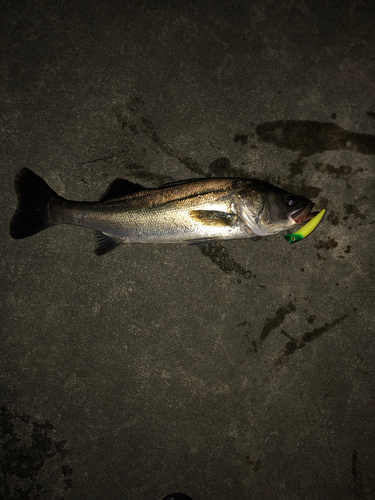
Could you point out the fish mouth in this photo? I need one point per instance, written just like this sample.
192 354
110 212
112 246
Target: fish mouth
303 214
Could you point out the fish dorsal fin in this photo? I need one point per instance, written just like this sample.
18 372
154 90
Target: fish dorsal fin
119 188
213 217
180 183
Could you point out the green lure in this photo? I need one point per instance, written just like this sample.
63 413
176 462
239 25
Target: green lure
305 230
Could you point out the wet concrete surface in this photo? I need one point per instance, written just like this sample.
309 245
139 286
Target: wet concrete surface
238 370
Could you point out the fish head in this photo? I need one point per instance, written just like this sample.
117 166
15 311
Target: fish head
267 209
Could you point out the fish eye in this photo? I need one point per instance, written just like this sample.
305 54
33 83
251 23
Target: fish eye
289 200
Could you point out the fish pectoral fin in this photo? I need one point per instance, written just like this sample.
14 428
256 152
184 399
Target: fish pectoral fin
213 217
105 243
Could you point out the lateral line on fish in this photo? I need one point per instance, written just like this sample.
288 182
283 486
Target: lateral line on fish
188 197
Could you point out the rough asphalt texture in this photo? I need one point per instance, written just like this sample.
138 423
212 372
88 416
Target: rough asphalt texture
240 371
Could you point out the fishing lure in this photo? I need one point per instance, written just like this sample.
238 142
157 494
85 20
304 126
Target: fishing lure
306 229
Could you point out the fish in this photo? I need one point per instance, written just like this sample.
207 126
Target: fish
193 211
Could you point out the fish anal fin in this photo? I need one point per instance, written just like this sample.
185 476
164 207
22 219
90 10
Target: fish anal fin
105 243
119 188
213 217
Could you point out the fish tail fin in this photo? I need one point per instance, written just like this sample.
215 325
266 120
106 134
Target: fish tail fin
34 197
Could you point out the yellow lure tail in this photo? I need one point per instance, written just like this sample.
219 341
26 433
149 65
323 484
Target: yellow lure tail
305 230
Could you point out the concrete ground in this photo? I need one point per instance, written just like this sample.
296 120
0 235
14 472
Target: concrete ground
235 371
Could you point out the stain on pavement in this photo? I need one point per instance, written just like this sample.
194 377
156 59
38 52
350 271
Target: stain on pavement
311 137
33 463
